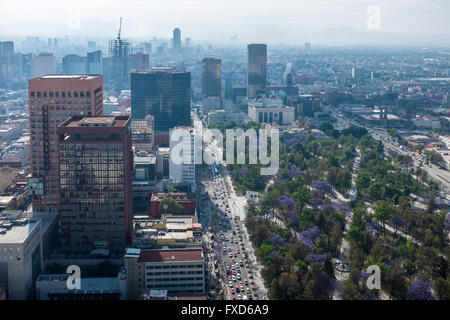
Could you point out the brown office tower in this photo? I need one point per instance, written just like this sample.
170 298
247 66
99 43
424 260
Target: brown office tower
53 99
96 163
257 62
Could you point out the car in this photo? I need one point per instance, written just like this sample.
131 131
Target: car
234 297
244 297
230 284
229 278
238 276
234 273
235 254
248 290
229 254
241 288
233 260
241 263
238 251
246 282
234 278
232 291
239 297
241 283
233 267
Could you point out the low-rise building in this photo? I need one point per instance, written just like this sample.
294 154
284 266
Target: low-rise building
187 200
54 287
179 271
170 231
270 111
218 116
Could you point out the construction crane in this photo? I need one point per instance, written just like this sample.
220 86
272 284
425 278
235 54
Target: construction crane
120 29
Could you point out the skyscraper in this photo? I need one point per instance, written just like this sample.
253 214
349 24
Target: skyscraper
212 77
139 62
94 62
163 93
257 61
119 50
53 99
44 63
96 163
6 48
74 64
182 171
176 40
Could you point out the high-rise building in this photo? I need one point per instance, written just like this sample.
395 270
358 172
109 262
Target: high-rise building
176 40
53 99
163 93
94 62
139 62
143 134
96 163
119 50
307 46
212 77
257 62
182 164
6 48
44 63
73 64
92 45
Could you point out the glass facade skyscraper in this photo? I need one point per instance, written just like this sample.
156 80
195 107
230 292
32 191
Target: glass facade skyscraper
257 62
211 77
163 93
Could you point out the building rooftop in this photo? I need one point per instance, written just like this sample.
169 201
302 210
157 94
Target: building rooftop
195 255
87 284
12 232
68 76
100 121
177 196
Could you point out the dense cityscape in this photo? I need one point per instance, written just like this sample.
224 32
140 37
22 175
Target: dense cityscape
95 206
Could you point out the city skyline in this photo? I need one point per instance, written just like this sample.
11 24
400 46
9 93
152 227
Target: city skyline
287 21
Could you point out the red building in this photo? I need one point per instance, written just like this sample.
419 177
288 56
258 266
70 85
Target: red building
187 200
53 99
140 62
96 163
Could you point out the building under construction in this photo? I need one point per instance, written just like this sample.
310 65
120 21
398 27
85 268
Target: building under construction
119 50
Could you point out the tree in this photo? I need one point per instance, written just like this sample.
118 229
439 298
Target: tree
301 196
383 212
170 206
419 147
420 290
261 233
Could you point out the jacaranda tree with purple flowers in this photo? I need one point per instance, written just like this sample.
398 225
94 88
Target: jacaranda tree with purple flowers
420 290
315 258
294 171
322 186
286 201
277 241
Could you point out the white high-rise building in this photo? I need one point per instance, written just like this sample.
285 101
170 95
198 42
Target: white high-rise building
182 161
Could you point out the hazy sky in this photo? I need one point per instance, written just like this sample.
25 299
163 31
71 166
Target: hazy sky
251 20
